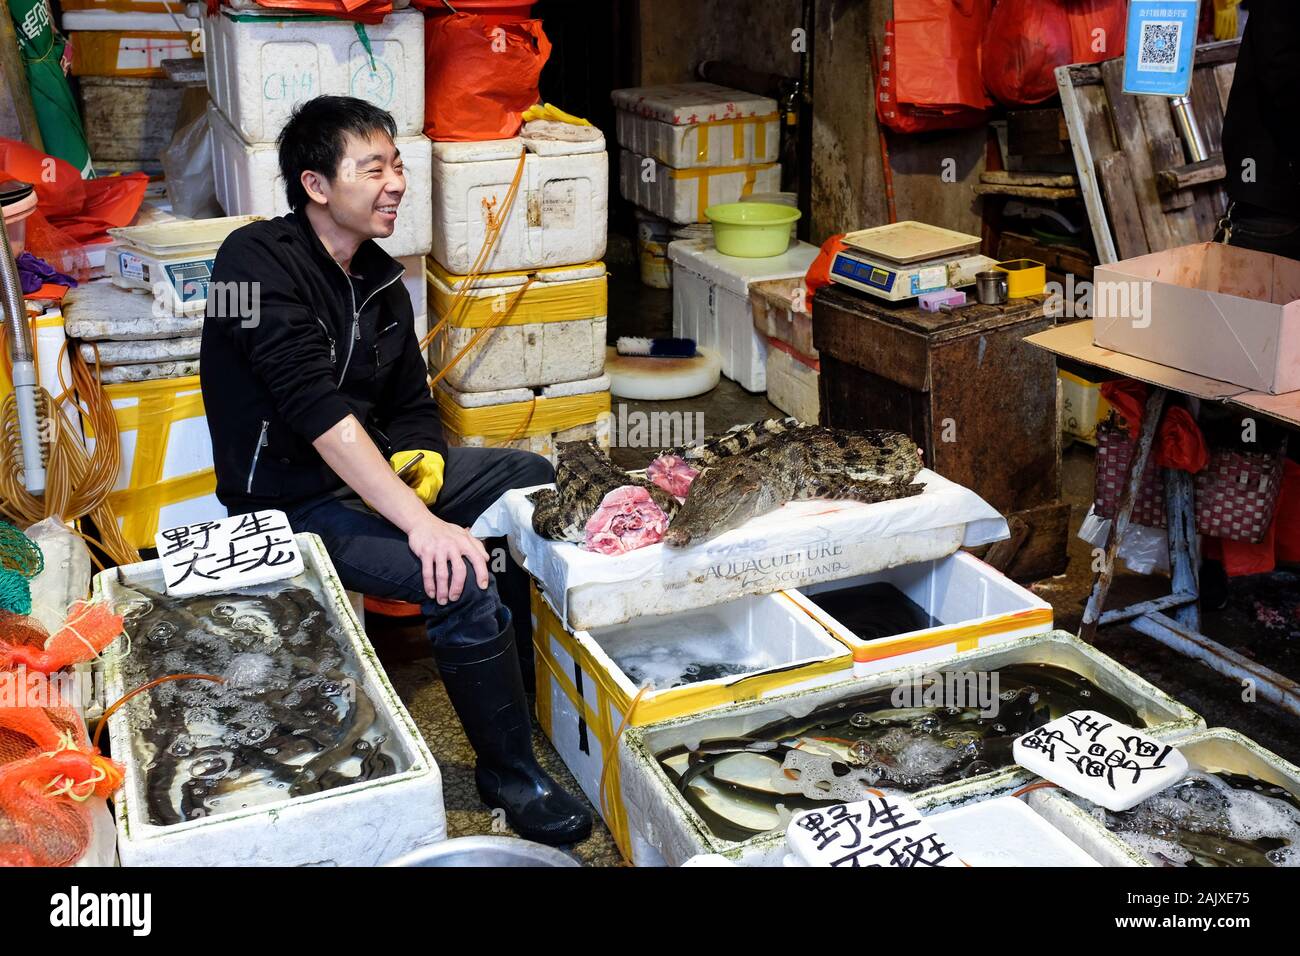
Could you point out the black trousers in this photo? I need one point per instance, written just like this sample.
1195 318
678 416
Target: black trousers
371 555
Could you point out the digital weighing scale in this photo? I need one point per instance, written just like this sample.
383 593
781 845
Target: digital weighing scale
905 259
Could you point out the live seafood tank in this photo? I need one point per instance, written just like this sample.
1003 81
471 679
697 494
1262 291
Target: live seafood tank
301 711
1238 806
721 779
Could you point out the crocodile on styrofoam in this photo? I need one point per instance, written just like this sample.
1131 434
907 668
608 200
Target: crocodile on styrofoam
260 66
558 216
247 180
359 824
664 820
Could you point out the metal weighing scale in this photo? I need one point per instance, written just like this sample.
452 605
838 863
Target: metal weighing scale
905 259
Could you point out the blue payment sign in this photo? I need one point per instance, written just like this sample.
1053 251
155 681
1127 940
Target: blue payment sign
1161 47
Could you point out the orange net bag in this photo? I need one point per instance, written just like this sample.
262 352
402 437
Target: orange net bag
45 817
87 630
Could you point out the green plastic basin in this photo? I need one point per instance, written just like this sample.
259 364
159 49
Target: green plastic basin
751 230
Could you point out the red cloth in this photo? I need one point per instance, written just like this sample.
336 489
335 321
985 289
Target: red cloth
85 209
1179 442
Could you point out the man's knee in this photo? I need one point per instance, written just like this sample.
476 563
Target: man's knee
532 469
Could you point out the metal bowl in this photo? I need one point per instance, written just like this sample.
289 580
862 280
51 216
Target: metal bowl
486 851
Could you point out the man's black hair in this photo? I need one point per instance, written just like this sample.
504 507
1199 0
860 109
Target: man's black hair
316 136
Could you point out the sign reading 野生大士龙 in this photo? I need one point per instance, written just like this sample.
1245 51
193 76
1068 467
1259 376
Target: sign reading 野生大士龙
243 550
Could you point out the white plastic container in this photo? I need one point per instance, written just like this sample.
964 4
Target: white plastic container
711 302
550 332
248 183
1214 750
975 606
687 125
585 695
521 418
682 195
359 824
663 822
793 383
262 65
558 217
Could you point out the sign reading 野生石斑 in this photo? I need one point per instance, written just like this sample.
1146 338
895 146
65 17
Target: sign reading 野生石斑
1099 759
1161 47
209 556
882 831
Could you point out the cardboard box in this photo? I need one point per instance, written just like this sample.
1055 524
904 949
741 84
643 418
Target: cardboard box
1227 313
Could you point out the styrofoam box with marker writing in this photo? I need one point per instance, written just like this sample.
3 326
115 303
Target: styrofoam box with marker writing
262 65
248 183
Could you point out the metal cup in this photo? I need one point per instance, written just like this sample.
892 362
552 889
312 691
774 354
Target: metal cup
991 288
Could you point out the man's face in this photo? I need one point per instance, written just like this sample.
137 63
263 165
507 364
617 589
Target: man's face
363 196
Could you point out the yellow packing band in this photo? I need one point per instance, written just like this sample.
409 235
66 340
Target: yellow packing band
542 302
967 637
704 175
511 420
703 132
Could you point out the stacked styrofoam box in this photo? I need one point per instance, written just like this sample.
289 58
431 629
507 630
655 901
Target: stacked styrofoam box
688 146
543 278
260 66
793 367
711 302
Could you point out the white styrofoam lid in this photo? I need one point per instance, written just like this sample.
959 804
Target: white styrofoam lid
683 104
496 149
1111 764
884 830
1006 832
734 273
128 22
507 395
508 280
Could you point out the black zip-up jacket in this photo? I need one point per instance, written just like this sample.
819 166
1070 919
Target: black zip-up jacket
291 346
1260 124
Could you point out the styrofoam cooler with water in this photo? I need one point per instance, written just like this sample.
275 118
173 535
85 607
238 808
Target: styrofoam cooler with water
711 302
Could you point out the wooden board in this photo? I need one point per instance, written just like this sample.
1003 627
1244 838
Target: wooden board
1137 163
997 177
1049 193
1123 206
1082 119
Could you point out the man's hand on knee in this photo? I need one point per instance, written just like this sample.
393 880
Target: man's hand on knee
443 549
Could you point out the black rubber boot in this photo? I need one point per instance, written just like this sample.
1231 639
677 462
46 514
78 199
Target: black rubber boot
485 687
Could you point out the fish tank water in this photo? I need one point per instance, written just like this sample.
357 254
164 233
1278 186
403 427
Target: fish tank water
296 713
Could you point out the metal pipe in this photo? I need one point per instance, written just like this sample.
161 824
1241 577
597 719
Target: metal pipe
19 334
1269 685
1185 119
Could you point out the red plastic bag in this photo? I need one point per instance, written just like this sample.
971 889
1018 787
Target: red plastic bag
480 75
937 53
1098 29
818 275
1026 40
1179 442
908 117
362 11
1286 520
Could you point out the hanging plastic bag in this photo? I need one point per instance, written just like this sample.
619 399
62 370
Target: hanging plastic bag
908 117
1024 43
480 76
187 164
1098 29
937 47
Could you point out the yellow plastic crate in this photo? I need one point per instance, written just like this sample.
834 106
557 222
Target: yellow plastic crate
135 53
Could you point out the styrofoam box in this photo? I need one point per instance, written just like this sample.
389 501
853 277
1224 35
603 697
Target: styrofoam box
416 286
711 302
262 65
664 821
519 353
558 217
684 125
360 824
975 605
772 305
793 386
682 195
248 183
1214 750
583 679
459 411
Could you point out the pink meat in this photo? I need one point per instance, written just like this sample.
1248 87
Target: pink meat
672 474
627 519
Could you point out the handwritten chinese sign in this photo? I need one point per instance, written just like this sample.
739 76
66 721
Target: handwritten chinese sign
1100 759
235 552
882 831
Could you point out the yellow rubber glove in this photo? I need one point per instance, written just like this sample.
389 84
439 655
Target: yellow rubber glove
1225 19
545 111
425 478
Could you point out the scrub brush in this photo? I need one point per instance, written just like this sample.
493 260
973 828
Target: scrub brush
656 348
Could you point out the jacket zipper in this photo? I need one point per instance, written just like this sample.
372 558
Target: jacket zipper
328 336
257 452
380 334
356 314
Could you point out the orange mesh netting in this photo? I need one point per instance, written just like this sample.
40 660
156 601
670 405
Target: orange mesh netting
88 629
45 819
20 630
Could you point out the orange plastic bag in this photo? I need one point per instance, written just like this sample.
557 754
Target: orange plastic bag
88 629
1026 40
1098 29
937 47
362 11
479 76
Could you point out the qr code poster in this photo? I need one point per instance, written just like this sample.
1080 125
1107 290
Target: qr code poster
1109 763
1161 47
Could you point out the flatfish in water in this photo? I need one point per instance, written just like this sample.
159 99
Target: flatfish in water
584 475
794 464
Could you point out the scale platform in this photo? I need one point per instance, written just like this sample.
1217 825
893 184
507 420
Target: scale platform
905 259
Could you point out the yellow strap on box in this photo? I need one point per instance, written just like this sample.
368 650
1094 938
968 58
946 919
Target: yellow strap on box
511 420
572 301
737 125
967 637
703 176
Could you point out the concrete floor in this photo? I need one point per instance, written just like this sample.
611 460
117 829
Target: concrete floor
635 310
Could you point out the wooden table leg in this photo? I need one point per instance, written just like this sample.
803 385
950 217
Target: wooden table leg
1184 546
1124 512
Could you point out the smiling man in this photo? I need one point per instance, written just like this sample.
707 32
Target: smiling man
316 392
